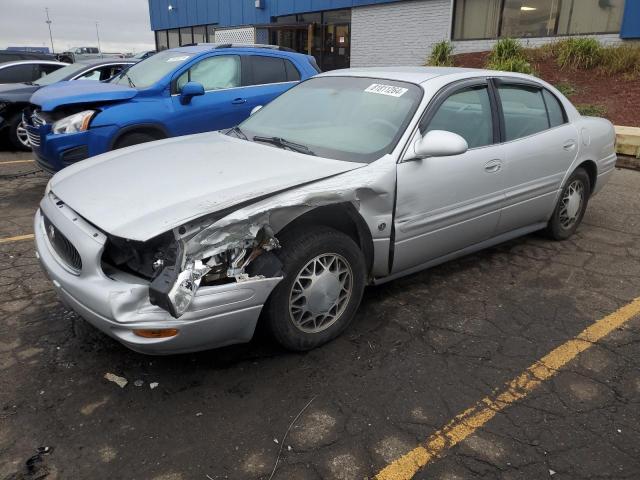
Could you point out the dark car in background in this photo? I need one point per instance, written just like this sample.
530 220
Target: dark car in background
15 55
27 70
15 97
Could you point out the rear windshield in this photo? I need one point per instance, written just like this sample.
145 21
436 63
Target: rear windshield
151 70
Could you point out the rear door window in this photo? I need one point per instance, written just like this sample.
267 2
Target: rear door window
524 110
466 112
268 70
214 73
556 112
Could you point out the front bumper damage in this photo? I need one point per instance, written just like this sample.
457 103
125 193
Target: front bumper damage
118 303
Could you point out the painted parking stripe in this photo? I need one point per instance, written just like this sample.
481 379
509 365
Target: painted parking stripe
16 161
467 422
17 239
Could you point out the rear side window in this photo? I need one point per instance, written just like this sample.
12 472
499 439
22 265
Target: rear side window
293 75
524 111
268 70
467 113
556 112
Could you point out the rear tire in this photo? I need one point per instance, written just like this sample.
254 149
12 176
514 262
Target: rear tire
18 133
134 138
324 277
571 206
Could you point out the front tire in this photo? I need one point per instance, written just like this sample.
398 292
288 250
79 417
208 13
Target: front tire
18 133
324 277
571 206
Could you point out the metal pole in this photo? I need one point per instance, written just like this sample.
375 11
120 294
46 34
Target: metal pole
48 22
98 35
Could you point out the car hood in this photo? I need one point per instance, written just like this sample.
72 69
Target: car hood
145 190
80 91
16 92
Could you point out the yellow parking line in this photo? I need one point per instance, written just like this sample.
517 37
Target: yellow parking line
467 422
16 161
16 239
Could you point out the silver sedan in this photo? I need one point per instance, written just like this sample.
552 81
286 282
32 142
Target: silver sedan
354 177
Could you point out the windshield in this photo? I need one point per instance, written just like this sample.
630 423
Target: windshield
149 71
344 118
61 74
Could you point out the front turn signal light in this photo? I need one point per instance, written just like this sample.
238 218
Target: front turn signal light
157 333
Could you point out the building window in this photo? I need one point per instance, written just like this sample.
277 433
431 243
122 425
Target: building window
186 36
174 38
485 19
199 34
161 40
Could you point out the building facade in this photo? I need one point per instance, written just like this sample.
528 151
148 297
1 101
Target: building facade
342 33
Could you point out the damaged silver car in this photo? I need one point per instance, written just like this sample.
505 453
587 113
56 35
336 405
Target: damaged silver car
351 178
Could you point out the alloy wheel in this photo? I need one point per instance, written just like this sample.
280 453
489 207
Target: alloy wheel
23 137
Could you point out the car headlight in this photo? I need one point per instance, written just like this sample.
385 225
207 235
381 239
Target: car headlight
78 122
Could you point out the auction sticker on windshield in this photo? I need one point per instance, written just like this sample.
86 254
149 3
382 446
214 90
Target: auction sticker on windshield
386 90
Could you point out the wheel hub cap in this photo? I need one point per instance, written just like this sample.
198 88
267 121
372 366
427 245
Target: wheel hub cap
320 293
571 204
22 135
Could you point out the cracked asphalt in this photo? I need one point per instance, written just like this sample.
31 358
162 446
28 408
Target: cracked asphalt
421 350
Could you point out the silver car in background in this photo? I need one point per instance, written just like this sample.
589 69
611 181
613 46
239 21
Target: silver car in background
353 177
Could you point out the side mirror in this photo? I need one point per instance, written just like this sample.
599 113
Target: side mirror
440 143
255 109
190 90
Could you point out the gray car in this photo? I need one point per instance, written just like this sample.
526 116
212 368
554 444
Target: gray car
352 178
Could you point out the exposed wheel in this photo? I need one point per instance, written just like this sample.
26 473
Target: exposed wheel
571 206
18 133
324 277
134 138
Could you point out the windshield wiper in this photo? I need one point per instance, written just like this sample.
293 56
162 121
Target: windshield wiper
282 143
131 84
238 131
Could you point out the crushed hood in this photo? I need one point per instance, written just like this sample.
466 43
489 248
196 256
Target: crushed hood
80 91
142 191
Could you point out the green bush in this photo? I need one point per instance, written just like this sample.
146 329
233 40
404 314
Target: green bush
509 56
591 110
566 88
506 49
441 55
581 53
621 59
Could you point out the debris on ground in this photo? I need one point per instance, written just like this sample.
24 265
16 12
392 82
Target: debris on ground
153 385
120 381
138 383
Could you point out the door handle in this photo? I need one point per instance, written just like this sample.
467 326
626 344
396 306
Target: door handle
569 145
239 101
493 166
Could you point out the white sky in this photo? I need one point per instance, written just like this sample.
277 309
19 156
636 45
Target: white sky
123 24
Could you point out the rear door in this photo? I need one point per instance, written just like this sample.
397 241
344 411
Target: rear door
222 106
266 77
540 146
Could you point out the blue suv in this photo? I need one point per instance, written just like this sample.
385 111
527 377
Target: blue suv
184 90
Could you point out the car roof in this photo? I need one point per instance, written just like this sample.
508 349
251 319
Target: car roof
417 75
91 62
31 62
222 47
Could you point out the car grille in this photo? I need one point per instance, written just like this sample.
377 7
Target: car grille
62 246
37 120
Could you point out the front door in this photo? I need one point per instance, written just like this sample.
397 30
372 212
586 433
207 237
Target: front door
222 106
445 204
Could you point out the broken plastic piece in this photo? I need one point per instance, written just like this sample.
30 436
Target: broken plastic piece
120 381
